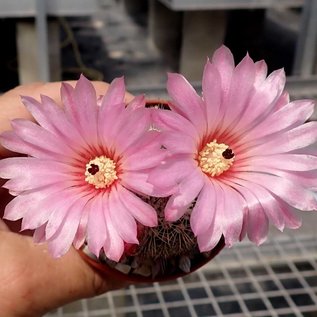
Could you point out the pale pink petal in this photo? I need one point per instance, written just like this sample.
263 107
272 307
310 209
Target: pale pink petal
186 101
204 210
239 93
255 223
11 141
138 157
171 171
260 73
133 129
291 219
67 96
81 109
258 224
96 226
49 207
224 62
60 208
36 135
295 162
179 143
305 179
30 173
114 246
39 114
20 205
150 140
60 243
137 102
115 93
282 101
121 219
188 190
291 115
137 182
87 110
39 234
270 205
60 123
209 240
295 195
52 118
291 140
262 101
141 211
212 95
17 166
166 120
80 236
230 217
111 120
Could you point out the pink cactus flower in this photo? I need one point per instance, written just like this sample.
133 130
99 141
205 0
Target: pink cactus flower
242 151
83 167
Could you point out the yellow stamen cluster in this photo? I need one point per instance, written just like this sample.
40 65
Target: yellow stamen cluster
213 160
101 172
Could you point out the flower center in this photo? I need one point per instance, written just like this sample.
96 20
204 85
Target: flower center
215 158
101 172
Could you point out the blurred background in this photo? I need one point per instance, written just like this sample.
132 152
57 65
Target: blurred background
52 40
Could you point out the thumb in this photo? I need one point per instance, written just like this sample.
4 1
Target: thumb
40 282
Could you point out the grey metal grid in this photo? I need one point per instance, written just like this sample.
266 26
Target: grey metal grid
278 279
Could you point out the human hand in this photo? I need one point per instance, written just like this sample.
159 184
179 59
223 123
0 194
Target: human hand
32 282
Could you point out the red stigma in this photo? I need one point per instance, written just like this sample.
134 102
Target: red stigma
228 154
94 169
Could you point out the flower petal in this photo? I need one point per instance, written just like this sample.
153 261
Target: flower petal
115 93
291 115
260 73
11 141
291 140
171 171
37 136
295 195
258 224
262 101
230 217
133 129
186 101
137 182
212 95
166 120
138 158
188 190
121 219
295 162
224 62
114 246
81 233
96 226
20 205
60 243
242 83
140 210
204 210
137 102
52 118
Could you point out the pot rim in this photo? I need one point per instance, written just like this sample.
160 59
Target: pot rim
105 270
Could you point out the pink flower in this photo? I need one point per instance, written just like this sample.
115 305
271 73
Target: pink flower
84 165
241 150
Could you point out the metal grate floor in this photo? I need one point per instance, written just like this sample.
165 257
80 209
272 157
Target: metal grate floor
278 279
